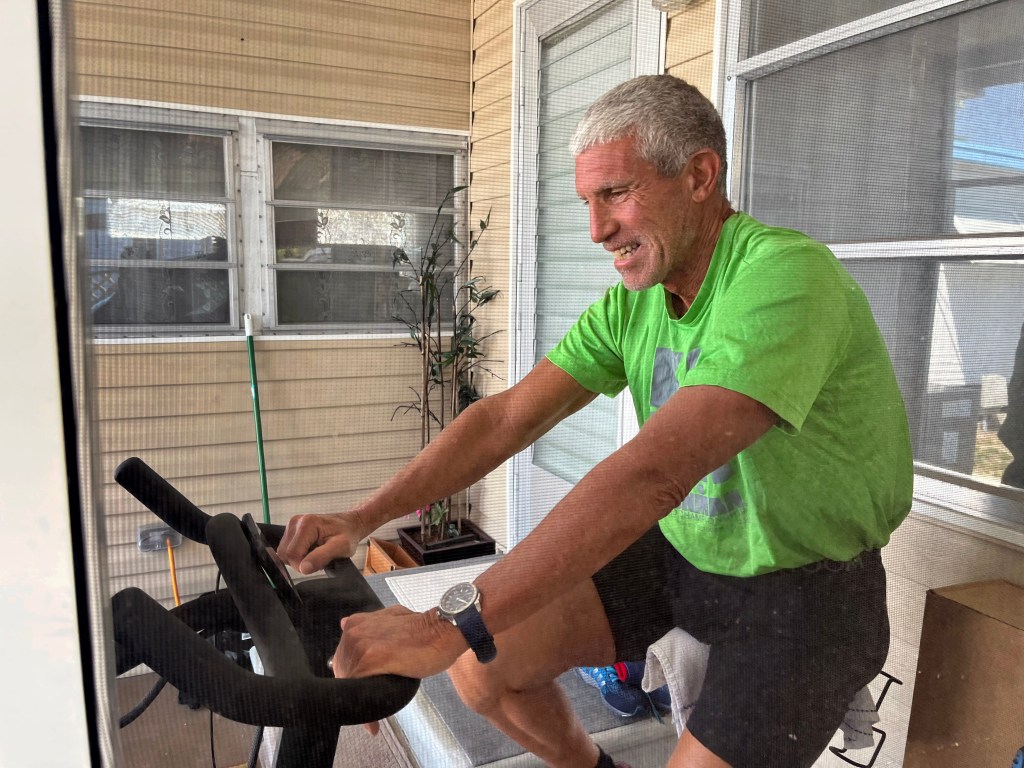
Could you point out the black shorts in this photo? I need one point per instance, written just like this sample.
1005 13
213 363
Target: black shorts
789 649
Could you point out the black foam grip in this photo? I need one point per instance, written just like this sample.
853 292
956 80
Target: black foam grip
189 663
212 611
170 505
162 498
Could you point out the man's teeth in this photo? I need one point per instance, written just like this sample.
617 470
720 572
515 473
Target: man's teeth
624 251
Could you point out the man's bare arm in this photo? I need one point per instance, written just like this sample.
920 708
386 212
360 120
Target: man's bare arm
480 439
483 436
695 432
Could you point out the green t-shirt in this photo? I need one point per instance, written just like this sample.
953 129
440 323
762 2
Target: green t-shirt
778 319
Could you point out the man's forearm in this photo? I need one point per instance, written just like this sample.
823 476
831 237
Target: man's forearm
699 429
607 511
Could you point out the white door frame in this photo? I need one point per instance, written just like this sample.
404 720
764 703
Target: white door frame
534 20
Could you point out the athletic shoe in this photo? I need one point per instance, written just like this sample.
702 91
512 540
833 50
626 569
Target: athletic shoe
632 673
624 700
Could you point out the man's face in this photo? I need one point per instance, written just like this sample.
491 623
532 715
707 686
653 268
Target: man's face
642 218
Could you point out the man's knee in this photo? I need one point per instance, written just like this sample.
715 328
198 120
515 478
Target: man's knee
479 686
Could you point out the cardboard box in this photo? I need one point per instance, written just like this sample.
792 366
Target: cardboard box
968 708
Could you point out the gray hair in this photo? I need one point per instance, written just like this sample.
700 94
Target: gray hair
669 118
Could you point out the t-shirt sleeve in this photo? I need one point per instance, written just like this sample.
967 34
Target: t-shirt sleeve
591 352
778 331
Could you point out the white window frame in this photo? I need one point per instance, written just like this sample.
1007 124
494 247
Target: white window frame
951 497
532 21
268 132
92 114
248 139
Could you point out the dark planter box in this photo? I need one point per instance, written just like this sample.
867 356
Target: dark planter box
477 545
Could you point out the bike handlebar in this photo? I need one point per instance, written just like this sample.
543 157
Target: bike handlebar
170 505
294 644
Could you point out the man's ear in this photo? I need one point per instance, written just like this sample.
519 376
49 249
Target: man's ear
704 167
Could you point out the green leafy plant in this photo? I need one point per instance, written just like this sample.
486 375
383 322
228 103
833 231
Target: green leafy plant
439 309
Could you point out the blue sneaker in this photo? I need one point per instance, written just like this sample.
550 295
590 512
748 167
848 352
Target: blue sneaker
632 673
624 700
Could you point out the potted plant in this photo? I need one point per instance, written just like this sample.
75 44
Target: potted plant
438 311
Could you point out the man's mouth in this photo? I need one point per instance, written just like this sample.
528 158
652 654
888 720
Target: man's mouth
624 252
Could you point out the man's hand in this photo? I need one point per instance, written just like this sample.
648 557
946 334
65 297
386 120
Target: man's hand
396 641
311 541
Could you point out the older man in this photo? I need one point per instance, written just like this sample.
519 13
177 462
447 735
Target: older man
772 463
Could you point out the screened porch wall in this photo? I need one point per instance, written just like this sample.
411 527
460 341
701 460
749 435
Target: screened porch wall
185 409
183 405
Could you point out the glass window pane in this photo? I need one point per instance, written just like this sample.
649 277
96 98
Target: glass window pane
776 22
844 149
328 174
365 177
153 163
337 296
416 178
340 236
155 230
954 330
159 296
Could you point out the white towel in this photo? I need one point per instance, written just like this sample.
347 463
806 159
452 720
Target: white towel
679 660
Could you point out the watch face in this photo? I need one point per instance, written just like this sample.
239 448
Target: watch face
458 598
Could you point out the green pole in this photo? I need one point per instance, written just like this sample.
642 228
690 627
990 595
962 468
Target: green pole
255 390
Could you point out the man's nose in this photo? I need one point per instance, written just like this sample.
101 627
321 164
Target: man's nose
602 224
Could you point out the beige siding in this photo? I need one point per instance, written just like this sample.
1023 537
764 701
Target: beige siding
185 409
490 158
399 62
688 44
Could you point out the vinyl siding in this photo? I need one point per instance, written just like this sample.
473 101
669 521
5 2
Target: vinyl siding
398 62
489 188
689 44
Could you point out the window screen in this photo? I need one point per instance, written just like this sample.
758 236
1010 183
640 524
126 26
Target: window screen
339 213
157 215
905 152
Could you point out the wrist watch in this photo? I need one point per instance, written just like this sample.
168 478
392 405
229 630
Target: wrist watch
461 606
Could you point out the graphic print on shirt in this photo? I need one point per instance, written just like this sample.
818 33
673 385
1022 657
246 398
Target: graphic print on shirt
714 495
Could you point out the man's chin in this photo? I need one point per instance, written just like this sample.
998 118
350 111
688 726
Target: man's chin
636 283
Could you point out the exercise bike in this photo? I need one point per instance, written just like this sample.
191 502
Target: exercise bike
294 627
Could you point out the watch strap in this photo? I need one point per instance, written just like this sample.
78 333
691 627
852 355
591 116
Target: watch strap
472 626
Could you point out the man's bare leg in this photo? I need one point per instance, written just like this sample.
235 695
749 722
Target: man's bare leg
517 692
690 753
